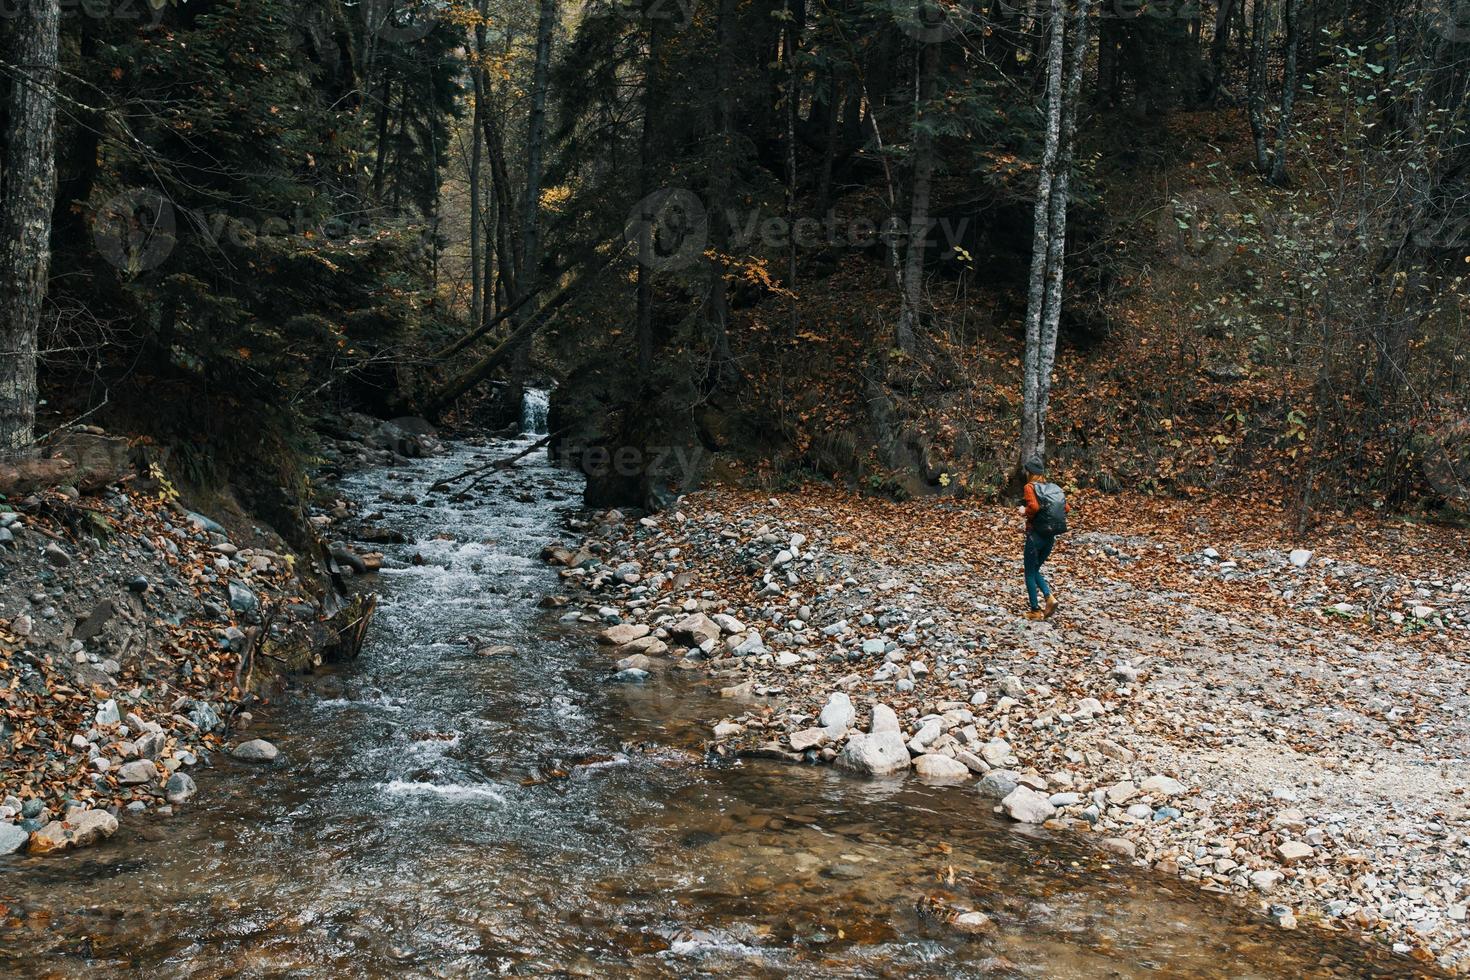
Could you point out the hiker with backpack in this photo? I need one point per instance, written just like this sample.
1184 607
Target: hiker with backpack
1045 510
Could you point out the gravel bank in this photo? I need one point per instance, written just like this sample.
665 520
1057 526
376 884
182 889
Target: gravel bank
1285 720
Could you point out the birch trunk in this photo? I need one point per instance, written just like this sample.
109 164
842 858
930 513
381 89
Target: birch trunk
1040 233
27 187
1288 92
912 281
1057 227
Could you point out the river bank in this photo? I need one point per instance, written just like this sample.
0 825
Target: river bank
1216 700
139 639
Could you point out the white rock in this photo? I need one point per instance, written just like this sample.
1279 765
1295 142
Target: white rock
1163 785
1300 557
837 712
1028 806
885 719
936 768
255 750
879 754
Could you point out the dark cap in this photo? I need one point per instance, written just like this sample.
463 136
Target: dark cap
1034 467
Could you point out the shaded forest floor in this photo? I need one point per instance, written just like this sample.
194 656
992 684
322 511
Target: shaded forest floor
1315 713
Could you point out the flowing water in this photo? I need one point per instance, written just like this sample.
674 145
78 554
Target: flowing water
439 814
535 403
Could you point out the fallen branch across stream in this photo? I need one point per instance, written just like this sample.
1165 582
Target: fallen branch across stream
497 464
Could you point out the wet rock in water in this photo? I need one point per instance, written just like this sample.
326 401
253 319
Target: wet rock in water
1282 916
885 719
1026 805
255 750
631 675
79 828
878 754
624 633
696 629
728 729
1121 846
973 922
179 788
635 662
137 772
998 783
940 769
12 838
837 713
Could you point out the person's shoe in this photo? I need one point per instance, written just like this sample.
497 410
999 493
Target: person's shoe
1051 606
1035 615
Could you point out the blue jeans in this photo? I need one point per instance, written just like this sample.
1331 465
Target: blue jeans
1038 550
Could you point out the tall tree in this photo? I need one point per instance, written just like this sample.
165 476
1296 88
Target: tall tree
535 144
912 279
1049 234
27 187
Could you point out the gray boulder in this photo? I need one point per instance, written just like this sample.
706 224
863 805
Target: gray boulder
880 754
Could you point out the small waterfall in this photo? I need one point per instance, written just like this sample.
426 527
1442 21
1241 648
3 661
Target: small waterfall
534 403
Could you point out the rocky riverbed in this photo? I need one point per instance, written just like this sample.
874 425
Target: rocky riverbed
138 637
1285 721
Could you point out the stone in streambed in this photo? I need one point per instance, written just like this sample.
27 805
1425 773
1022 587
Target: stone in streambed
1026 805
255 750
12 838
810 738
885 719
630 675
137 772
696 629
179 788
940 769
636 662
79 828
624 633
880 754
1163 786
998 783
837 713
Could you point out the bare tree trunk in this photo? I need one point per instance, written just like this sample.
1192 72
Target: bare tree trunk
643 325
27 187
505 256
1256 94
912 281
1057 226
1288 92
1220 43
477 269
1031 437
535 144
717 306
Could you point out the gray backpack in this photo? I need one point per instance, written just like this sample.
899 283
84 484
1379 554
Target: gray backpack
1052 518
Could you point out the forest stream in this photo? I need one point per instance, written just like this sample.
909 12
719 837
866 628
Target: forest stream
436 813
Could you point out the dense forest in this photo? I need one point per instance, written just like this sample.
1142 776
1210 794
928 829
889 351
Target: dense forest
1175 246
